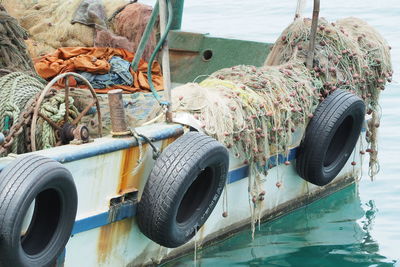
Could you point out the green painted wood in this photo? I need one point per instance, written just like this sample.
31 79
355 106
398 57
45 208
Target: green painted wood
194 54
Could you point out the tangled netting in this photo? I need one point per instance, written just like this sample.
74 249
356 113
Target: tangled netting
131 23
261 112
48 23
17 92
253 111
16 89
13 54
350 55
256 112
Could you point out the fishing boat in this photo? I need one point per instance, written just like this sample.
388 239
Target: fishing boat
144 195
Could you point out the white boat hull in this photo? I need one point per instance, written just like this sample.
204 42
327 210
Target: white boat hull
107 235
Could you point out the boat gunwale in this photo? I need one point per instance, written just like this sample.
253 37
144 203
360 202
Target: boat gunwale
104 145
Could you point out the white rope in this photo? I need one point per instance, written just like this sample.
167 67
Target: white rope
301 4
140 145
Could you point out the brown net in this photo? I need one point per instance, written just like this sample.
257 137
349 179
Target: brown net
131 23
13 50
48 23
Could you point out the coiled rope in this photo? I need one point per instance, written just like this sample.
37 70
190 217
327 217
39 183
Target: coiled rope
16 90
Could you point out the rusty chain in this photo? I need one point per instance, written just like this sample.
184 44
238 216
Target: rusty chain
24 123
16 129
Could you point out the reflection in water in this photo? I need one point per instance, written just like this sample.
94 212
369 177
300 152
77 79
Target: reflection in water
334 231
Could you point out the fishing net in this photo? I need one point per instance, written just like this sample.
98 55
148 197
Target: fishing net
256 112
131 23
49 23
253 111
261 112
13 53
138 109
350 55
17 92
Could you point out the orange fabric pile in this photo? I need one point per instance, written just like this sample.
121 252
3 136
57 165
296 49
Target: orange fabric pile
95 60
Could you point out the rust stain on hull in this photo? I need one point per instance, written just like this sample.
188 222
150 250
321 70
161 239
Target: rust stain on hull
129 182
110 236
168 141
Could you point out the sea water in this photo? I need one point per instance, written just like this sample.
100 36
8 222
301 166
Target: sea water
359 226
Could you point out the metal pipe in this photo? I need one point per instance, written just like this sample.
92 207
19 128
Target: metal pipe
153 56
117 113
145 38
178 14
2 138
314 25
165 57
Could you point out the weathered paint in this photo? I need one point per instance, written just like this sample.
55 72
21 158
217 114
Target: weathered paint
97 177
177 14
131 248
110 235
187 51
281 208
127 210
122 211
130 181
168 141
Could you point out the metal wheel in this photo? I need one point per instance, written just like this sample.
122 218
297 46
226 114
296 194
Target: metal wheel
66 127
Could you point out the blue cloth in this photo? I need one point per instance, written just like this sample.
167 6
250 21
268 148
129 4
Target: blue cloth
119 75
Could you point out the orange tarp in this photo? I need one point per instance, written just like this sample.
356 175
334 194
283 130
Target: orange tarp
95 60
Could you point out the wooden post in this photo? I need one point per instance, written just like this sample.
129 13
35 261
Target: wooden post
117 113
165 57
314 25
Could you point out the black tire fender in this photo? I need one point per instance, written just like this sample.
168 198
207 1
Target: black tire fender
330 137
47 183
183 189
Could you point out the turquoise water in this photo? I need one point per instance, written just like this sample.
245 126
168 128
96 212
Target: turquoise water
335 231
355 227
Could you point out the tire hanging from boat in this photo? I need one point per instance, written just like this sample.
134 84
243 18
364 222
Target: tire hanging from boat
38 204
183 189
330 137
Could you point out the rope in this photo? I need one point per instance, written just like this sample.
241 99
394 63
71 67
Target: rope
141 155
54 109
16 89
13 51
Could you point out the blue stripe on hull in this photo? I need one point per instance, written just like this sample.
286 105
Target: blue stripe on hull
128 210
